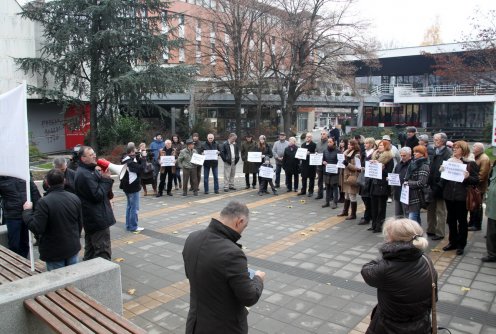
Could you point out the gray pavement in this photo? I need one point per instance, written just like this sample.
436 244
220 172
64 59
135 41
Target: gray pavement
312 259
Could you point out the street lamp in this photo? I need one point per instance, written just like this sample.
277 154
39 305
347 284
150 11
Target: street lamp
279 113
242 111
186 113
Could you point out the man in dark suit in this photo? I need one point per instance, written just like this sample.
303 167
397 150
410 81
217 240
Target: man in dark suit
221 284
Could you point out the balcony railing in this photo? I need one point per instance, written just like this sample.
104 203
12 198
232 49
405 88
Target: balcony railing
446 90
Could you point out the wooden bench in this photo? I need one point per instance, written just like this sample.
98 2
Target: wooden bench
70 310
14 267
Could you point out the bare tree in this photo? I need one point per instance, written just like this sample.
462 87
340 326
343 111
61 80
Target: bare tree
316 37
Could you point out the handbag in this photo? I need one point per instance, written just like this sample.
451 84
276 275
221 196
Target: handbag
361 179
426 198
474 198
433 309
351 180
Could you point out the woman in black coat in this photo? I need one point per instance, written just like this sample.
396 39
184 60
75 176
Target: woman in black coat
291 165
403 281
455 196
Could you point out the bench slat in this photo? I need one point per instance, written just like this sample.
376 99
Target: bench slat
100 315
62 315
76 313
47 317
23 262
11 270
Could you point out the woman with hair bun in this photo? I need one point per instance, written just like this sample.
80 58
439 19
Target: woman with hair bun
403 281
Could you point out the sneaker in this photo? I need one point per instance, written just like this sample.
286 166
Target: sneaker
226 190
389 200
216 191
206 192
232 188
138 229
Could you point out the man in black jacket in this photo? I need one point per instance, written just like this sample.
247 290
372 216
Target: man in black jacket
307 170
13 192
210 145
131 185
220 282
58 220
230 155
94 189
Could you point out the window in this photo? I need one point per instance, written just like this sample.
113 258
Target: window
198 30
198 52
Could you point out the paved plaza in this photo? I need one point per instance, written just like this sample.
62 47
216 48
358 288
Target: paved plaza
312 259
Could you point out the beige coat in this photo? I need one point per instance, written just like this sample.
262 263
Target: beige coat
484 164
350 170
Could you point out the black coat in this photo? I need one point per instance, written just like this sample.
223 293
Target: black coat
412 142
93 190
219 281
404 293
435 174
308 170
13 192
137 167
457 191
401 169
289 162
381 187
210 146
58 220
225 153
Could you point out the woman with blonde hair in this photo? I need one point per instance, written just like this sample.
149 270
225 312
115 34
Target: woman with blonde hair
379 189
403 279
455 197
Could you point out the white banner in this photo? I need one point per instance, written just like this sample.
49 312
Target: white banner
405 194
266 172
210 154
331 168
373 170
301 153
340 160
453 171
197 159
255 156
167 160
394 179
316 159
14 133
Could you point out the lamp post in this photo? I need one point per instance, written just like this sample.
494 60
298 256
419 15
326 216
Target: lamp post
173 120
279 113
186 113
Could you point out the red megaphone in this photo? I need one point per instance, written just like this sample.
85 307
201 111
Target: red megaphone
116 169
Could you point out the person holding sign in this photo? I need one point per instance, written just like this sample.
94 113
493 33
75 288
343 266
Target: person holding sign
379 190
350 175
291 165
230 155
307 170
266 152
455 196
416 179
167 168
211 151
278 152
189 169
249 167
369 144
265 179
320 148
400 170
330 179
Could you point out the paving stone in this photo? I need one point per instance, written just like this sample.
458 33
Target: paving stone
464 326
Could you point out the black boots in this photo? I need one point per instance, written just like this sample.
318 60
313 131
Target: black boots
353 211
345 208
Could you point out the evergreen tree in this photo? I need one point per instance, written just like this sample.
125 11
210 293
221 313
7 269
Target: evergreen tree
109 53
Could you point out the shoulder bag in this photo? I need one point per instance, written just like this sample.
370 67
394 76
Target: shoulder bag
434 315
474 198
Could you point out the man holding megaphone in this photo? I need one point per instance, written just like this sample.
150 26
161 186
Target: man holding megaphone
93 189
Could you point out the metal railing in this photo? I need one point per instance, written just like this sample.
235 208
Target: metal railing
447 90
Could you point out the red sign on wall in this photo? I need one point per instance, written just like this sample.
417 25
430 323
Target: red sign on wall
77 125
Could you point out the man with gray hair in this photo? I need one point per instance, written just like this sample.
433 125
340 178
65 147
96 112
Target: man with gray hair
278 152
229 153
60 163
401 169
221 284
424 141
484 163
436 211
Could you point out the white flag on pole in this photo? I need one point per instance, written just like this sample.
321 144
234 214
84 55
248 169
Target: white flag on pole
14 132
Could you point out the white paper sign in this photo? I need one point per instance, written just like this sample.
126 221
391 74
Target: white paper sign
405 194
358 162
453 171
332 168
373 170
316 159
340 160
301 153
197 159
210 154
255 156
167 160
266 172
394 179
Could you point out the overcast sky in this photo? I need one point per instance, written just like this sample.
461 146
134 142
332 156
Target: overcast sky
405 21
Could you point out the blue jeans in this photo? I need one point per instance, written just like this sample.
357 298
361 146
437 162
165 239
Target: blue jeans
415 216
206 172
18 235
52 265
132 211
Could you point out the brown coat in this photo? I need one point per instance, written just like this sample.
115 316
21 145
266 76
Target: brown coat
484 164
350 169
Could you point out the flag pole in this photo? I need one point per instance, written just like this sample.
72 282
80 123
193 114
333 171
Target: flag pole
28 180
